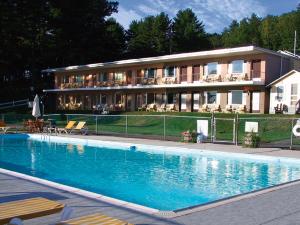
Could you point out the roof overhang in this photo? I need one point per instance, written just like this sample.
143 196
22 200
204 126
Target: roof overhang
170 58
165 86
283 77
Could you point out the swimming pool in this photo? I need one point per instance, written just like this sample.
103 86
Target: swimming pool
156 177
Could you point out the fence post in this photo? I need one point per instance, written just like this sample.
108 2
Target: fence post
164 127
236 129
212 128
126 128
96 124
291 143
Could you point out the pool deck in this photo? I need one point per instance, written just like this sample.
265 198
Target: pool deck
280 206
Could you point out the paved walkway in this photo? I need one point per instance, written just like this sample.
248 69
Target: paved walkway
277 207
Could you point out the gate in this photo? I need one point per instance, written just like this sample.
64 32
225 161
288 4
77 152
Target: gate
224 130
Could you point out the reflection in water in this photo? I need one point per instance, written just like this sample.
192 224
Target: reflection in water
163 181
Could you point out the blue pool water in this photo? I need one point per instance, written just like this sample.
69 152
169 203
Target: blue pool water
157 179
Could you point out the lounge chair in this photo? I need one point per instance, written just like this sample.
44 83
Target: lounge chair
4 127
216 108
278 109
96 218
151 108
142 108
241 109
67 129
228 109
81 127
162 108
170 108
28 209
204 108
65 215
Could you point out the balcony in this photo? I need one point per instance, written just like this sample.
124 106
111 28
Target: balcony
169 80
146 81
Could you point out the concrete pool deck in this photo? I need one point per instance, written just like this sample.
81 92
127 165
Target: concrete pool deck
272 207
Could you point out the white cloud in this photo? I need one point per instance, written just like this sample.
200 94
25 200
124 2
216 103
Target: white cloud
148 10
125 16
215 14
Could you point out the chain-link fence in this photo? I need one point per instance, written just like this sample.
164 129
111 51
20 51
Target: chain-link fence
222 128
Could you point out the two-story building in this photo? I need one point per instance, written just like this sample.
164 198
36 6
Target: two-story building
217 80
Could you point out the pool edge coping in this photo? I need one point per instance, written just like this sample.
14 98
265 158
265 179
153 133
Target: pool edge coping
144 209
81 192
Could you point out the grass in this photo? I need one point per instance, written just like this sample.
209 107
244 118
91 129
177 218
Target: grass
272 128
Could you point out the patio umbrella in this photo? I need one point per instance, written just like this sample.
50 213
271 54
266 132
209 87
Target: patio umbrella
36 112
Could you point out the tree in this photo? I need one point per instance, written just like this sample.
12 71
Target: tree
149 36
188 33
79 30
115 40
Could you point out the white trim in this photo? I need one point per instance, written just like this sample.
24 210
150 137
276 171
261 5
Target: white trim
172 58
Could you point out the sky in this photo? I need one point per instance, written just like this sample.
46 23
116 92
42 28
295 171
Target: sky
215 14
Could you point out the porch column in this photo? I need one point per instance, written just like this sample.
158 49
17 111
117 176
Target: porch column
189 102
262 103
190 74
223 99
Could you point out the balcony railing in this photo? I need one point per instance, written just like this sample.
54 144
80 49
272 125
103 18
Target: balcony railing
146 81
169 80
232 77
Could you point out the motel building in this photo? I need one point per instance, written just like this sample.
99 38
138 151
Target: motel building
228 80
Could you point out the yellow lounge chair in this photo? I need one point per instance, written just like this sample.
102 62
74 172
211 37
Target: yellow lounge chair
28 209
67 129
96 218
81 127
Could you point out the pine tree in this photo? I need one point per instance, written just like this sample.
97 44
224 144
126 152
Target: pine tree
188 33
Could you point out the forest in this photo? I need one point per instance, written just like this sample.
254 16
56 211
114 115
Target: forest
44 34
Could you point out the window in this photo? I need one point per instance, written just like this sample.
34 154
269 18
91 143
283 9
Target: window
237 66
236 97
171 98
279 91
79 78
118 76
103 77
294 94
103 99
150 98
169 71
211 97
212 68
150 73
118 99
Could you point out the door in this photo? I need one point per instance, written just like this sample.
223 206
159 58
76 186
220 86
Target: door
183 102
255 101
256 69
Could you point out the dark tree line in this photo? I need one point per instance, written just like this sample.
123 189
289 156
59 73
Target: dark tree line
38 34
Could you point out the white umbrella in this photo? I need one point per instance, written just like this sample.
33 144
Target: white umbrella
36 112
